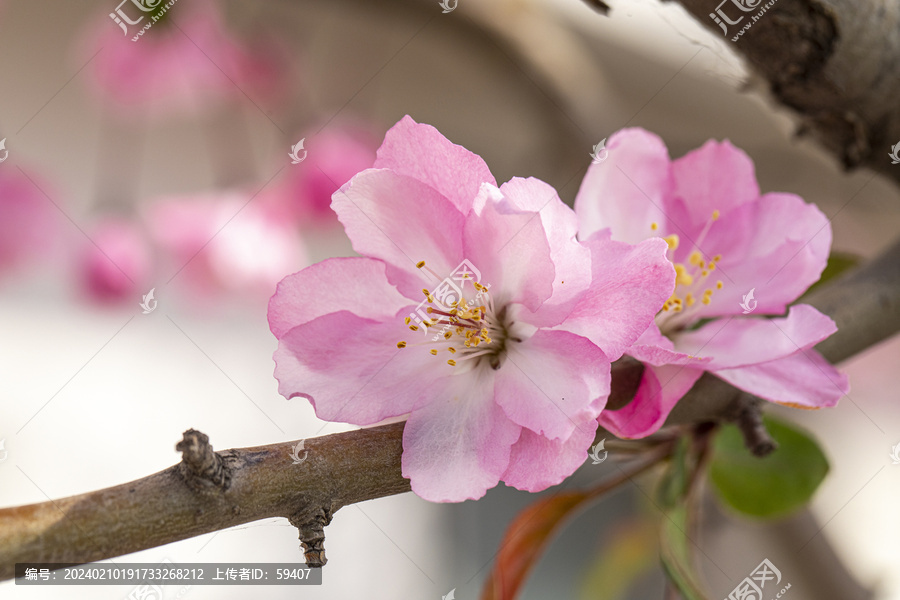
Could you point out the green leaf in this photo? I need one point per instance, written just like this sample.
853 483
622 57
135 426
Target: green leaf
675 554
838 263
772 486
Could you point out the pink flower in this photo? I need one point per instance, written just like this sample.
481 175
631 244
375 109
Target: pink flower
116 264
735 252
224 242
500 380
184 62
28 219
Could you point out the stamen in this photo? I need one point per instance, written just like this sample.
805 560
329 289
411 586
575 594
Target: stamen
401 344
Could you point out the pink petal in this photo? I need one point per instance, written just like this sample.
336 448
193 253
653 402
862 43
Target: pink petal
549 383
716 176
661 388
777 246
357 285
629 190
351 370
456 442
630 284
802 380
401 221
510 248
537 463
739 341
654 348
571 260
421 152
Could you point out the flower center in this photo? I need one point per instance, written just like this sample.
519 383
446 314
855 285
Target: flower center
693 285
469 330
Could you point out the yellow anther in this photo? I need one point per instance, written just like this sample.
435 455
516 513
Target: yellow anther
420 264
717 258
689 299
451 362
447 335
672 241
413 327
654 226
682 277
711 266
718 285
695 258
401 344
426 292
406 320
452 350
706 300
715 215
433 352
704 272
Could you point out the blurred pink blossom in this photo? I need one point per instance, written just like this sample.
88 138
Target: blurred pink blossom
220 243
28 220
186 61
333 157
116 264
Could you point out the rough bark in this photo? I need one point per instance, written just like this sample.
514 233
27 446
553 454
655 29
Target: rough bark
833 62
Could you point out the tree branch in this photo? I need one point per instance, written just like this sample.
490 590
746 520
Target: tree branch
211 491
207 492
834 62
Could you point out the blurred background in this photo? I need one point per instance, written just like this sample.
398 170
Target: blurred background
163 164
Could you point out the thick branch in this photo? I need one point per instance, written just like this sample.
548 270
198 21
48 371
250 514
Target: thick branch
834 62
191 498
208 492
